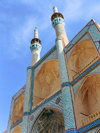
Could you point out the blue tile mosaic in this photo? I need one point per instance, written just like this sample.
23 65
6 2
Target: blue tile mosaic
50 104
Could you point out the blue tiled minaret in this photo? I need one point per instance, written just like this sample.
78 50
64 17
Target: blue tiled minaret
35 47
61 41
58 23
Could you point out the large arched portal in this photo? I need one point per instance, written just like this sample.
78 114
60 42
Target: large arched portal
46 82
49 121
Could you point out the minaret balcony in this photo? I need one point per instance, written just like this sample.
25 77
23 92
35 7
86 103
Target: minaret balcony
58 20
35 45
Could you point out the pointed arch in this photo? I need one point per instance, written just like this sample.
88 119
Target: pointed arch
18 110
87 99
46 82
49 120
83 54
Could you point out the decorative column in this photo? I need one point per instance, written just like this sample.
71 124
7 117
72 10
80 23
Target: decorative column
26 102
58 23
10 116
66 93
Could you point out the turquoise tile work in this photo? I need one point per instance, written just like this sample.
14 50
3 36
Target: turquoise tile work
66 94
68 108
10 116
25 125
51 104
93 130
26 102
89 126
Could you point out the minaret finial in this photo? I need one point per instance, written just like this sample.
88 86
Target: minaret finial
35 32
55 9
58 23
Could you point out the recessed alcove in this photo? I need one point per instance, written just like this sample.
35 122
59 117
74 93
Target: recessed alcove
87 101
83 55
46 82
18 110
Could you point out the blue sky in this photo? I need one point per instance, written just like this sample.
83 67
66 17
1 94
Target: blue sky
18 18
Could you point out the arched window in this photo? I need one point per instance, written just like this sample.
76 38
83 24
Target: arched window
83 55
87 101
18 110
47 81
49 121
18 129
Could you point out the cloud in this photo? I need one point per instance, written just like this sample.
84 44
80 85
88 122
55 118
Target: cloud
76 10
28 14
20 38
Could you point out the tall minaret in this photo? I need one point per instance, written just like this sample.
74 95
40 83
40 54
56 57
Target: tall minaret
35 47
58 23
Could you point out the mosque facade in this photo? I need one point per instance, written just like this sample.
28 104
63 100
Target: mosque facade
62 91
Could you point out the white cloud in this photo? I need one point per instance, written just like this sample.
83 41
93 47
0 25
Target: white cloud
74 10
20 39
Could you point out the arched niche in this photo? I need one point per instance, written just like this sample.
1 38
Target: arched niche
82 55
87 99
49 121
18 129
47 81
18 110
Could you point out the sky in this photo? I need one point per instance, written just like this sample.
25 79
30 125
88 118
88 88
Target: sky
18 18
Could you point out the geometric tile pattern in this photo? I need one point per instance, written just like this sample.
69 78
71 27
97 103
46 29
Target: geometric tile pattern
68 108
25 124
26 101
51 104
66 94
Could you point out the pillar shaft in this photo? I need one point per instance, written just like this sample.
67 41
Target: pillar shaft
66 94
35 56
26 103
60 32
